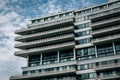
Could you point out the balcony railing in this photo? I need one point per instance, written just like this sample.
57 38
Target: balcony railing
51 23
107 21
46 48
54 22
43 74
107 66
106 12
109 77
56 38
100 31
106 38
44 33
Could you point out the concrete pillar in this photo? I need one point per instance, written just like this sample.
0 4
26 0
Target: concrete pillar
96 51
41 56
58 56
114 47
74 53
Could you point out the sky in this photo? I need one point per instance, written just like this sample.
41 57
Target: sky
15 15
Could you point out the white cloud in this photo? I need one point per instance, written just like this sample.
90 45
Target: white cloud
10 21
49 8
9 64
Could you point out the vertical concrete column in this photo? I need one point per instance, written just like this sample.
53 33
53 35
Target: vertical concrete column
96 51
113 44
74 53
58 56
41 56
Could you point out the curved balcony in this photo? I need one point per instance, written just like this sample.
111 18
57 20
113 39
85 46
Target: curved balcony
44 74
106 39
59 21
45 41
24 53
45 33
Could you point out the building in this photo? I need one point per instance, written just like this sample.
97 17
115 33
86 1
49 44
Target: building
74 45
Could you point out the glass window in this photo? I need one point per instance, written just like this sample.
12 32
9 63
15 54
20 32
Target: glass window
86 18
88 76
105 48
82 26
61 15
92 75
56 16
34 21
83 33
32 72
45 19
86 51
84 76
49 59
66 55
25 72
34 58
83 41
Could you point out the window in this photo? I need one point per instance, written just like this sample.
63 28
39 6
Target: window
25 72
83 41
66 55
88 11
34 21
83 67
45 19
34 64
81 26
32 72
105 50
61 15
86 18
103 7
86 51
34 60
117 47
64 67
83 18
88 76
50 59
83 33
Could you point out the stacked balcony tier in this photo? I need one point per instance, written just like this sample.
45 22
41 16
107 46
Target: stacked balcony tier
61 22
106 26
55 47
39 39
52 73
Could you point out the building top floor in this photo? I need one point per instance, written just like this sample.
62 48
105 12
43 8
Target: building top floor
75 13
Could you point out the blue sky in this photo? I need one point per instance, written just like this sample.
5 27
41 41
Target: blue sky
15 14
